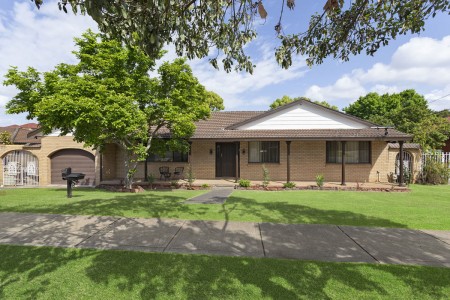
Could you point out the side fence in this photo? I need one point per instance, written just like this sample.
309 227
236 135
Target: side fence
443 157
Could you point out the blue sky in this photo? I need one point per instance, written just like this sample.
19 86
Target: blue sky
44 38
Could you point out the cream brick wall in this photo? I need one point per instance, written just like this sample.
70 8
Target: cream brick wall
49 145
308 159
415 153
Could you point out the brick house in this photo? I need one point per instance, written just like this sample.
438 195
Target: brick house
295 142
35 160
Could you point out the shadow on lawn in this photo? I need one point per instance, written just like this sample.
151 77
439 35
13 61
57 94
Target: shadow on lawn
284 212
147 205
166 204
200 277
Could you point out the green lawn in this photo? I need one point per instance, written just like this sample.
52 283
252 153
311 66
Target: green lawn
58 273
425 207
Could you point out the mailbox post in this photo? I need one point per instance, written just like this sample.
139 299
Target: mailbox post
71 179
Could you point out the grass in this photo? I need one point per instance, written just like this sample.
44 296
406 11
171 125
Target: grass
58 273
425 207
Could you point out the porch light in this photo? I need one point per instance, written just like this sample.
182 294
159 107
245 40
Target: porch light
211 151
243 150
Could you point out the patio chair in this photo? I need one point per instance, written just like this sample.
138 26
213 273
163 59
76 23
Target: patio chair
164 173
178 172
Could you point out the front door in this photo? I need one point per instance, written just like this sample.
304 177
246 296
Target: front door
226 159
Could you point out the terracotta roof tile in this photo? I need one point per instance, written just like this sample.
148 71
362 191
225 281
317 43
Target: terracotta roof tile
215 128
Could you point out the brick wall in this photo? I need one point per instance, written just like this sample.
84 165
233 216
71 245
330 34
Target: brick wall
49 145
308 159
416 161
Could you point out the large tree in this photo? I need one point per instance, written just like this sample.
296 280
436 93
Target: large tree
286 99
341 29
109 97
407 111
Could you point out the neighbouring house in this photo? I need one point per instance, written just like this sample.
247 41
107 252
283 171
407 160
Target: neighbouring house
36 160
295 142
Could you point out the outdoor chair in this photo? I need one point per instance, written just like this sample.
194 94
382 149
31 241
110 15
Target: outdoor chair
164 173
178 172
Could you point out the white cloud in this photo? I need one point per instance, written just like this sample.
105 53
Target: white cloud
439 99
234 85
422 63
345 88
39 38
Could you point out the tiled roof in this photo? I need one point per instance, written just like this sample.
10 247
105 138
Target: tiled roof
405 146
215 128
19 135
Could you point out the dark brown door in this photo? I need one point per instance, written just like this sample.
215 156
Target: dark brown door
79 160
225 159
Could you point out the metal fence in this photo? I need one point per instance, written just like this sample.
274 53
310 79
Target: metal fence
443 157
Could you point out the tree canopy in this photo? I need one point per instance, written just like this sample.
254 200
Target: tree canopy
341 29
408 112
286 99
5 138
109 97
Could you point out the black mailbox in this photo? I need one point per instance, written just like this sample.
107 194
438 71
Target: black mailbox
66 172
71 178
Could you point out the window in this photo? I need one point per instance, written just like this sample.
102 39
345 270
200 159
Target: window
355 152
172 156
264 152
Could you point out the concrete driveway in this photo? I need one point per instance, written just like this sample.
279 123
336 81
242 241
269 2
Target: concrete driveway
291 241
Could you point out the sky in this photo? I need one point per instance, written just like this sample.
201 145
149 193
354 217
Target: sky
44 38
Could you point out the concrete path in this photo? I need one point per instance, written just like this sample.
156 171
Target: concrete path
215 196
292 241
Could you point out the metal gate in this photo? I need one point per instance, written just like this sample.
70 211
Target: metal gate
20 168
407 162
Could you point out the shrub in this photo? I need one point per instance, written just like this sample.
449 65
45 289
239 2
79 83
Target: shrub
244 183
435 172
151 179
289 185
190 177
205 186
266 178
174 183
319 180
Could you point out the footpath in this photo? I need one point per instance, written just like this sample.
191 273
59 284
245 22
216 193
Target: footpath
289 241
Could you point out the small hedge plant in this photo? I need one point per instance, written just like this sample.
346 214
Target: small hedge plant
244 183
289 185
320 180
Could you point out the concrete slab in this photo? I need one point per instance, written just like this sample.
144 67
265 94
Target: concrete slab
401 246
218 237
441 235
310 242
62 231
11 223
136 234
215 196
